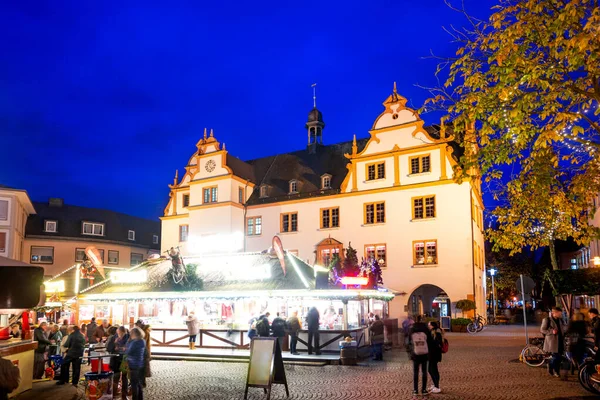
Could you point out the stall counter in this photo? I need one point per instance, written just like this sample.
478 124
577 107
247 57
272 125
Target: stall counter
20 352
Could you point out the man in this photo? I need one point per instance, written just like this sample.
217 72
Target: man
294 327
278 328
91 331
15 332
75 346
313 320
262 325
39 335
102 332
554 342
377 338
595 324
64 328
419 341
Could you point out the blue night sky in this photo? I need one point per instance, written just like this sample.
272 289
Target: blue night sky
100 102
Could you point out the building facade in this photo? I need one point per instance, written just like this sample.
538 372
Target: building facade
15 208
390 196
57 235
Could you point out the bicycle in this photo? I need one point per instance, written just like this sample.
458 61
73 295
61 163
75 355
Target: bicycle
477 325
589 376
533 354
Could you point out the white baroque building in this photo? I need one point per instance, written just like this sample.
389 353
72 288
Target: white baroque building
391 195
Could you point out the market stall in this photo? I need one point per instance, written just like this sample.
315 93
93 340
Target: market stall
226 292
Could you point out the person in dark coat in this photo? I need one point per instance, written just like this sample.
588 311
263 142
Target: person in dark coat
15 332
64 327
595 325
278 327
117 344
294 326
135 352
39 335
75 346
376 329
9 378
576 333
262 325
91 331
435 355
420 341
312 322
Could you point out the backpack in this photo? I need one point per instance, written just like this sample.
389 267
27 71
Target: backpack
419 340
445 346
261 328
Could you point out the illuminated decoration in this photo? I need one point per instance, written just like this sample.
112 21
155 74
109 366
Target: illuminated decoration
55 286
220 243
297 270
327 294
96 258
278 248
355 280
596 260
129 276
232 267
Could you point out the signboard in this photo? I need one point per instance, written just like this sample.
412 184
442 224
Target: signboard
266 366
55 286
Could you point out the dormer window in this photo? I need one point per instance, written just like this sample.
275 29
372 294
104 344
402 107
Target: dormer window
50 226
264 191
293 186
326 181
131 235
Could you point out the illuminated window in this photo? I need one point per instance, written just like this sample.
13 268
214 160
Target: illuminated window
423 207
425 252
253 226
136 259
330 217
264 191
79 255
186 200
92 229
154 239
113 257
289 222
420 164
241 195
374 213
377 252
328 254
294 186
375 171
326 182
183 233
210 195
50 226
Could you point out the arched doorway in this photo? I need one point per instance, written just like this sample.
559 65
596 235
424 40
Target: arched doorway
429 300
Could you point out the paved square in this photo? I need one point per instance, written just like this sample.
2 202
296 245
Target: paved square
477 367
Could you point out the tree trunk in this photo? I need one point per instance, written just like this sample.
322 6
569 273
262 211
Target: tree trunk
553 259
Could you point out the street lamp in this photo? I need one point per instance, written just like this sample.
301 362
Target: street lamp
493 273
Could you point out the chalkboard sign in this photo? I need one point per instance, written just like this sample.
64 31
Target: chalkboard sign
266 366
446 322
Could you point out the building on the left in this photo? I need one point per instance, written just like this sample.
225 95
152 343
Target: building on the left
15 208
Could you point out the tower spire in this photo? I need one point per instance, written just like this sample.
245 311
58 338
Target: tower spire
395 90
314 86
204 133
176 177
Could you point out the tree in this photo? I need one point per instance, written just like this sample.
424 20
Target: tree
350 265
522 96
465 305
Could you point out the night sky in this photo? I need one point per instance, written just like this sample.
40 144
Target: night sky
100 102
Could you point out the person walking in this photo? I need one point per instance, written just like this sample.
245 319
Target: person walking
312 322
192 327
553 330
75 346
278 328
135 352
595 326
419 342
117 344
294 326
435 355
376 329
91 331
39 335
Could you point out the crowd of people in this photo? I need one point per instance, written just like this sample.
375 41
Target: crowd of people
130 350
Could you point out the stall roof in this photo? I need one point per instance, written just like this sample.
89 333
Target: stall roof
223 273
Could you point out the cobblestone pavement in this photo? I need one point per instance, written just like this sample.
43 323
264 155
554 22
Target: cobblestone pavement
477 367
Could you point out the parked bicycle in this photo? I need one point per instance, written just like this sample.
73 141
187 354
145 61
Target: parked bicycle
589 375
477 325
534 355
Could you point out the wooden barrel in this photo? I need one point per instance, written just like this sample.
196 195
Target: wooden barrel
349 356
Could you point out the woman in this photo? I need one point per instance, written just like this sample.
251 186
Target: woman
117 344
83 330
148 354
435 355
192 326
135 352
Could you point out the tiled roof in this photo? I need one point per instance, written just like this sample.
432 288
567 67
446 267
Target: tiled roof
70 219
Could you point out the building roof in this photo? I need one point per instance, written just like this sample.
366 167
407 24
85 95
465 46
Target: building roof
298 275
22 195
70 219
307 167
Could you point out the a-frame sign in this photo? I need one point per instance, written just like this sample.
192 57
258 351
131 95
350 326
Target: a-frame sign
266 366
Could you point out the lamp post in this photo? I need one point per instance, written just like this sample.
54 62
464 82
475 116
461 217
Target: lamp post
493 273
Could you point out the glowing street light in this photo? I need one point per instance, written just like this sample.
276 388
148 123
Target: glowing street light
493 273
